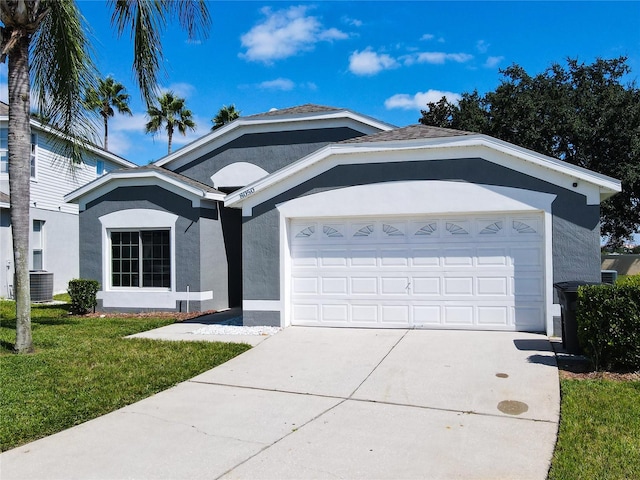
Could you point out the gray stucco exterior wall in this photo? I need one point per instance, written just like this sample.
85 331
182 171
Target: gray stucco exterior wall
198 235
576 232
269 151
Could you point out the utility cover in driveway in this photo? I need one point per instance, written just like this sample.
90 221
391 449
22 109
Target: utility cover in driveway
461 272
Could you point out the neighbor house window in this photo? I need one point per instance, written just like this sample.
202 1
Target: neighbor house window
34 151
37 241
141 259
4 150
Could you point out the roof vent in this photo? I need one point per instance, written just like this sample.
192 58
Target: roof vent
609 276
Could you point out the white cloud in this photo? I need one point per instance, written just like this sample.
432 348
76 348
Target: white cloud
283 84
180 89
493 62
482 46
437 58
419 100
369 62
285 33
126 123
354 22
427 36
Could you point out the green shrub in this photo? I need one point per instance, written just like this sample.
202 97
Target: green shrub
83 295
608 318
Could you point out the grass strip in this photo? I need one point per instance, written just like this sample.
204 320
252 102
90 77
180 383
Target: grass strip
83 368
599 435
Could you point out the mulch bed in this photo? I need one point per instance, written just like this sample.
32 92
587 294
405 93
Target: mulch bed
179 316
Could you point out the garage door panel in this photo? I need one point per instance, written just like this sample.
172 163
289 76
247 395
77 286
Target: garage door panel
458 286
305 286
458 315
333 258
485 272
396 314
366 314
394 285
364 285
427 286
493 316
425 257
335 313
364 257
334 285
492 286
427 315
458 257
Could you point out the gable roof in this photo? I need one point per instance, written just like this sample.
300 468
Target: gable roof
101 152
149 175
5 200
420 142
303 117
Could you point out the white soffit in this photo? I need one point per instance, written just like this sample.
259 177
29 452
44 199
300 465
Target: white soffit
594 186
113 180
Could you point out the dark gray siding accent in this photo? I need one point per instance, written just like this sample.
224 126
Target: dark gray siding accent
576 232
270 151
261 256
200 253
259 318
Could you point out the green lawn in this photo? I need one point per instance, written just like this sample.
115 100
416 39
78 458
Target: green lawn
599 435
83 368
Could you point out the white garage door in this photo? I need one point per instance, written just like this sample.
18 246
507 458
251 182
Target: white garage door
479 272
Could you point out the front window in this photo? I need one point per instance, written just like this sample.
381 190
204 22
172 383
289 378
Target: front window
4 150
37 240
141 259
34 151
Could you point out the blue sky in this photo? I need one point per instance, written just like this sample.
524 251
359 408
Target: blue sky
383 59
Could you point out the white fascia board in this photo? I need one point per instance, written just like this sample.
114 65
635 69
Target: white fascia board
5 205
113 180
244 126
594 186
90 148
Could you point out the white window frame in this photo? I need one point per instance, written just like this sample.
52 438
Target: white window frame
41 242
33 156
140 259
137 219
100 168
4 152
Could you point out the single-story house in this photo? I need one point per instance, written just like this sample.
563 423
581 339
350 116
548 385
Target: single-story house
320 216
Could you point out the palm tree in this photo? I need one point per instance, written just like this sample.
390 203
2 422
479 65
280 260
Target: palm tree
109 94
224 116
172 113
45 43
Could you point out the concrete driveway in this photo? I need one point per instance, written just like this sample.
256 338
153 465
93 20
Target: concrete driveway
330 403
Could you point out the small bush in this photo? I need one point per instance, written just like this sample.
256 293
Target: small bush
608 318
83 295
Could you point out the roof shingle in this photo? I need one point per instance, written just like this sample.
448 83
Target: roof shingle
412 132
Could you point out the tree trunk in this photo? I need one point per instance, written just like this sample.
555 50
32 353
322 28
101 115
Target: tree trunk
106 133
19 146
170 135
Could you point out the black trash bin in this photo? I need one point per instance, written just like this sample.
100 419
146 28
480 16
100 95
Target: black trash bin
568 297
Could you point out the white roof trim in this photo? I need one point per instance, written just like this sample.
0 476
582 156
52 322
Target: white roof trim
278 123
113 180
112 157
596 187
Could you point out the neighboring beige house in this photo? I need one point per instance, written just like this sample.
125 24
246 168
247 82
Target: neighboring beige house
54 224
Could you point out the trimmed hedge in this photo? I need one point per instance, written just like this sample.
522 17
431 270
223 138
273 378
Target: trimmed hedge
608 318
83 295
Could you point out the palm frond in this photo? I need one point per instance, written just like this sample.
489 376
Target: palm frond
62 70
146 20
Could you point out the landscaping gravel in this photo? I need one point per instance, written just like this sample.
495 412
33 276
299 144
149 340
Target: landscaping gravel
235 330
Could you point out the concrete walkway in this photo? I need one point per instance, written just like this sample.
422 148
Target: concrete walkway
330 403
